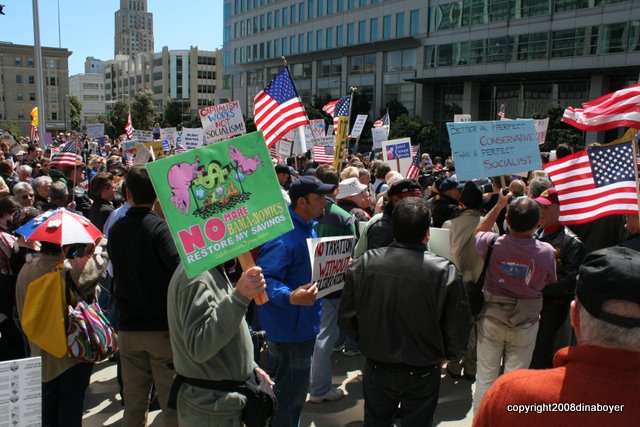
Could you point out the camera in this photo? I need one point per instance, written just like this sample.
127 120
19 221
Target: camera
505 191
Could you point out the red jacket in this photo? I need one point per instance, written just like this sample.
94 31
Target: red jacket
584 377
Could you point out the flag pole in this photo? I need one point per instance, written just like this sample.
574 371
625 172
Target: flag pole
353 90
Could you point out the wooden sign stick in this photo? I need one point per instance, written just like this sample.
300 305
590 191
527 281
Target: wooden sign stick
247 262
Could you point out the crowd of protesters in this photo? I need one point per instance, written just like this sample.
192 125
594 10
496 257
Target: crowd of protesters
403 308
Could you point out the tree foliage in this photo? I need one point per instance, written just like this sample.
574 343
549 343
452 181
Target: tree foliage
11 127
173 113
395 108
559 132
75 117
415 128
143 114
118 116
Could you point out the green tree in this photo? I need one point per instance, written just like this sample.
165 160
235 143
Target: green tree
415 128
395 108
74 112
173 113
143 114
11 127
118 116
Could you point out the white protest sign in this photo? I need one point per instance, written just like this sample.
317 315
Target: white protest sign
379 135
439 242
317 127
397 152
143 135
21 392
330 130
14 147
326 141
492 148
284 148
95 130
143 155
461 118
222 121
300 137
130 146
358 125
330 258
192 138
169 134
541 129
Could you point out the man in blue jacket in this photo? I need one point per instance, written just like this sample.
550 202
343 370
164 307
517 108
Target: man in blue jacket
291 318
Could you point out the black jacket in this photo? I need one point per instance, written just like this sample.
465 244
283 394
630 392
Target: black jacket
569 254
406 306
144 258
444 209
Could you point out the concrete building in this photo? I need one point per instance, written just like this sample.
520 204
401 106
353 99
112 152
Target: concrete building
18 85
437 58
134 28
188 77
89 89
93 65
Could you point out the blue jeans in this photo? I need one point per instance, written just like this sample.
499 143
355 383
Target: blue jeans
323 350
63 397
292 365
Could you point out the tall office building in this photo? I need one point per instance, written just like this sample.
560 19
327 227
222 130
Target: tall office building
134 28
437 58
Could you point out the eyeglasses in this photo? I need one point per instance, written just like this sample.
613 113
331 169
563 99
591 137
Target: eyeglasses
28 196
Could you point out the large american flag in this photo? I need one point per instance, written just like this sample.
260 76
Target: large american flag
620 108
337 108
128 127
66 156
595 183
323 153
414 169
278 108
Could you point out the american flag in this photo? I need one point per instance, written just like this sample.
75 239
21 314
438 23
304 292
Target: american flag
128 160
383 121
501 112
278 108
128 127
338 108
323 153
66 155
34 134
610 111
414 168
595 183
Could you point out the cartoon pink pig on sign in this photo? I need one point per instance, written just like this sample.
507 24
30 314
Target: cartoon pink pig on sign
180 176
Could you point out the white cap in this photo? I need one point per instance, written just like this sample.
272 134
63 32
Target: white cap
350 187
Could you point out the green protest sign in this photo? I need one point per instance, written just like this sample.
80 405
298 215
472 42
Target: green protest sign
220 200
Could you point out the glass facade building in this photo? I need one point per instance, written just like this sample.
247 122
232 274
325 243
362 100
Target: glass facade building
437 57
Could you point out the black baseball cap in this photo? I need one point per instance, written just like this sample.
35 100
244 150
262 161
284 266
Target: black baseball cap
307 185
282 169
405 187
610 274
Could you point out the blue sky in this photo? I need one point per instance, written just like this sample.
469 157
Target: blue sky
87 26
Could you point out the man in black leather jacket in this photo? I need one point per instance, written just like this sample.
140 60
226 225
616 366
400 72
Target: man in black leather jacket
556 296
409 311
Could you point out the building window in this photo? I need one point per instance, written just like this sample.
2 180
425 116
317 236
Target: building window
362 31
29 61
362 64
301 43
310 41
19 96
400 24
400 60
414 22
329 34
373 30
340 7
330 67
319 39
320 10
54 115
339 35
18 61
32 80
20 115
18 78
301 15
310 9
32 96
293 11
386 27
350 33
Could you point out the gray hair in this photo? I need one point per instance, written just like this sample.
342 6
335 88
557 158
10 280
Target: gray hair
40 182
537 186
604 334
59 191
22 188
25 168
364 172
